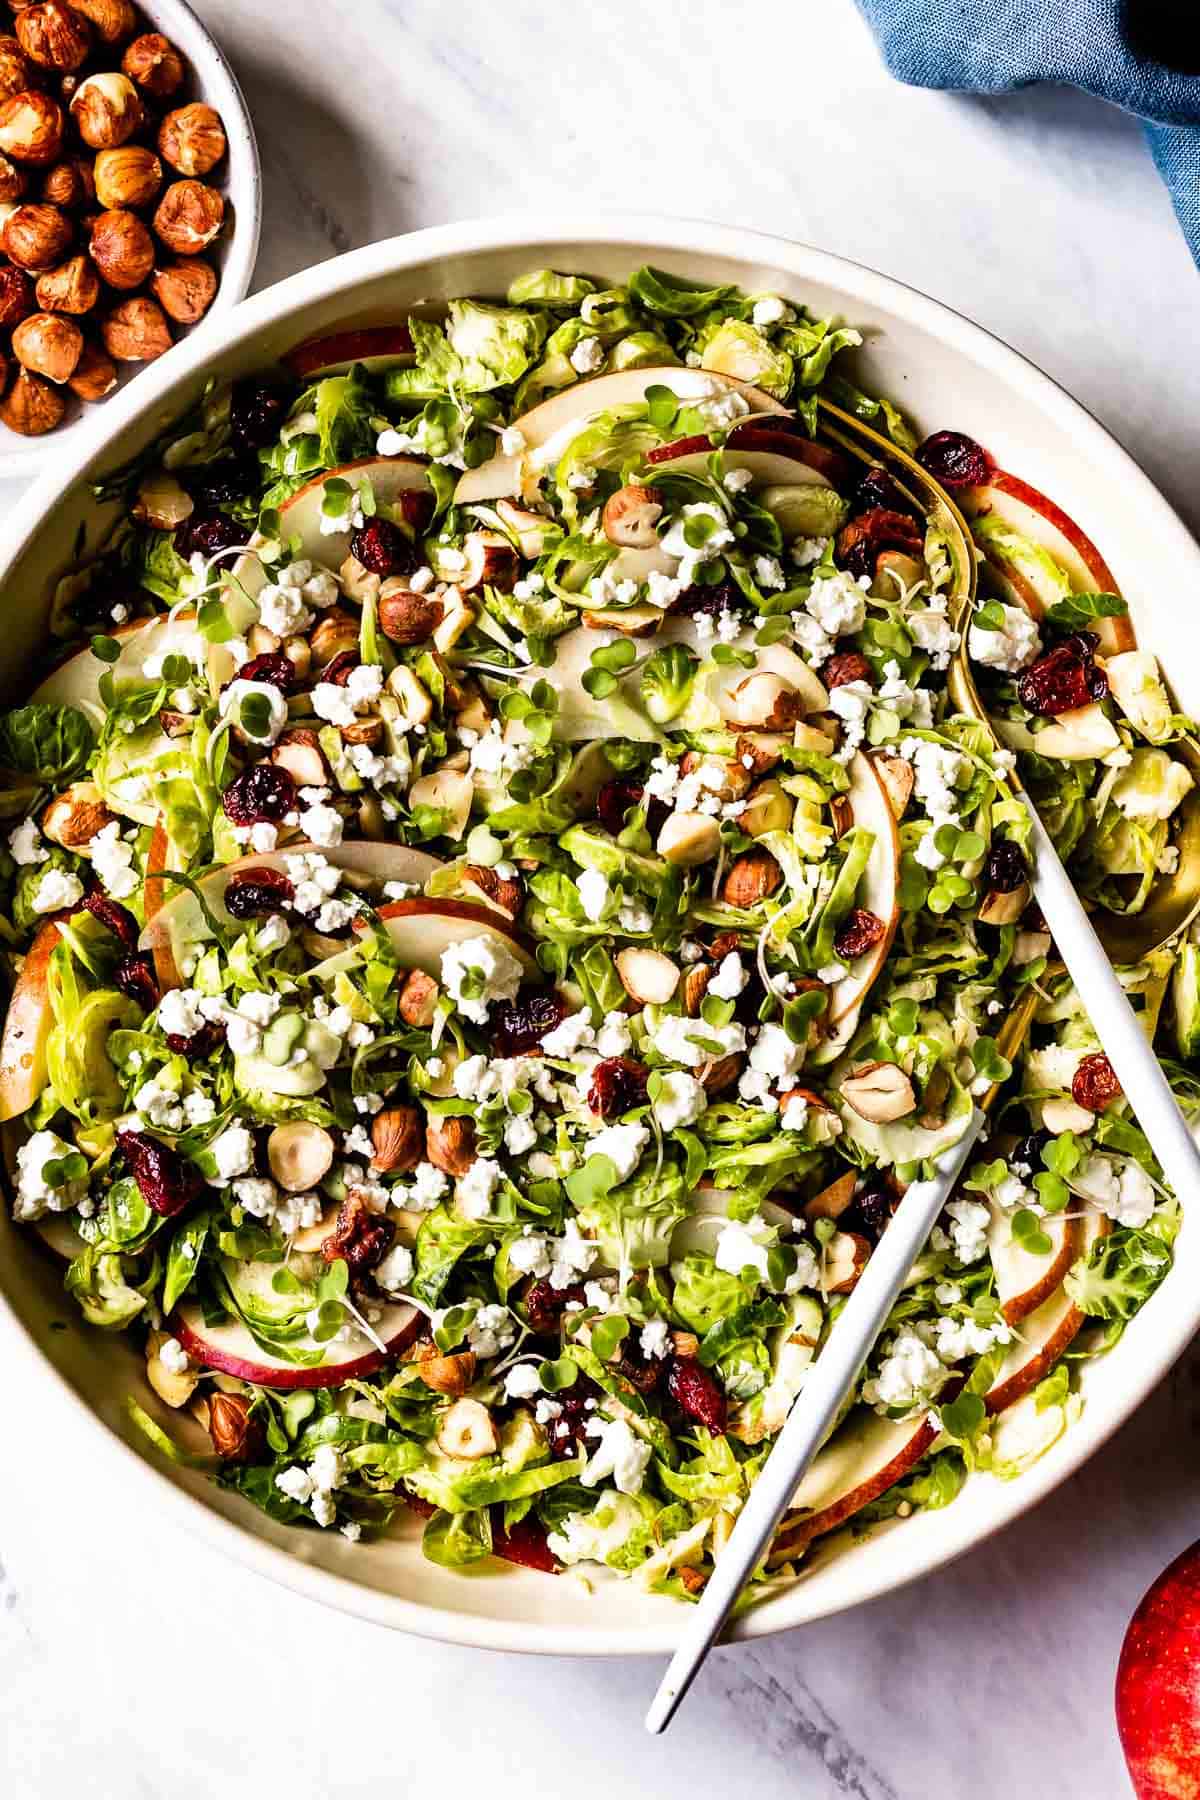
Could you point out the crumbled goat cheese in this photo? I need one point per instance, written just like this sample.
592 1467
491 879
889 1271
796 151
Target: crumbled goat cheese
487 967
1013 646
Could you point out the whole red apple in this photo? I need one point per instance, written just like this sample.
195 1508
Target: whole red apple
1158 1686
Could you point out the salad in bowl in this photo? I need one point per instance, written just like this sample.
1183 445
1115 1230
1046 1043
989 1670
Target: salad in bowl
512 864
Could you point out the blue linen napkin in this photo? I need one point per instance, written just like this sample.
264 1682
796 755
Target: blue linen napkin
1140 55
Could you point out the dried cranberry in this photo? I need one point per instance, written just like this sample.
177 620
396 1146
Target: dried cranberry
254 892
1006 867
383 549
116 917
261 794
208 533
256 414
618 798
545 1304
566 1433
695 1393
859 542
134 975
954 459
617 1084
416 508
846 666
858 932
273 668
213 485
201 1044
524 1543
1064 678
165 1181
359 1238
519 1025
720 597
870 1211
641 1372
1095 1083
877 489
337 669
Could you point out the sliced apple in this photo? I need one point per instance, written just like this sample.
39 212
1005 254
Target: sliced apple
301 516
422 930
558 418
376 346
1025 1279
60 1236
231 1349
1009 501
866 1456
879 888
27 1026
1045 1333
178 920
707 1217
1078 735
775 467
76 680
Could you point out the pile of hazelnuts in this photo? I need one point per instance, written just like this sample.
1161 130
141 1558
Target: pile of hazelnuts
105 204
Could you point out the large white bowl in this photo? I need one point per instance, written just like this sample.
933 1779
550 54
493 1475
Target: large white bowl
948 373
239 176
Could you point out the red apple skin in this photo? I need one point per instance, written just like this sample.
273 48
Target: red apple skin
329 1375
761 436
1158 1686
324 353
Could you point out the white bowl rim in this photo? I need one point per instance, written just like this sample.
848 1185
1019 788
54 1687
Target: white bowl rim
180 22
1106 1410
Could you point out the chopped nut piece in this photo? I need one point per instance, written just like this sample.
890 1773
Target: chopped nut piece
450 1144
418 999
752 876
300 1154
631 516
467 1432
879 1092
446 1374
398 1137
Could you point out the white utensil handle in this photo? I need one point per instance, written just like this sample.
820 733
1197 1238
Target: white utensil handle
1107 1004
831 1378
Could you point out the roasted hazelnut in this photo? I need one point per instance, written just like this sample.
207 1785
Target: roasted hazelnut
189 217
154 63
16 296
16 70
53 36
136 330
95 374
74 287
106 110
13 181
31 127
122 249
128 176
37 237
69 183
49 345
397 1139
185 290
32 406
192 139
236 1435
111 20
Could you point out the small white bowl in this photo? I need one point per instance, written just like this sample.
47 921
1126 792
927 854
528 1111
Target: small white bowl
239 177
948 374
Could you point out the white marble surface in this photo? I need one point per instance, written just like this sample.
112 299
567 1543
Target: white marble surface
132 1663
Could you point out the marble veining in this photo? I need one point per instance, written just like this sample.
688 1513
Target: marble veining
133 1663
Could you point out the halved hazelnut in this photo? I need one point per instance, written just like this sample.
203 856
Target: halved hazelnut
449 792
73 817
505 892
631 515
405 617
31 127
106 110
418 999
298 750
414 697
74 287
49 345
450 1143
996 908
647 976
185 289
300 1154
715 1077
897 777
529 528
751 878
192 139
845 1259
765 700
491 561
879 1092
467 1432
695 987
446 1374
760 751
398 1139
719 775
689 838
335 632
833 1200
162 502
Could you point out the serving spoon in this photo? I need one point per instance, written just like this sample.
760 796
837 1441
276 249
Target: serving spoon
836 1369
